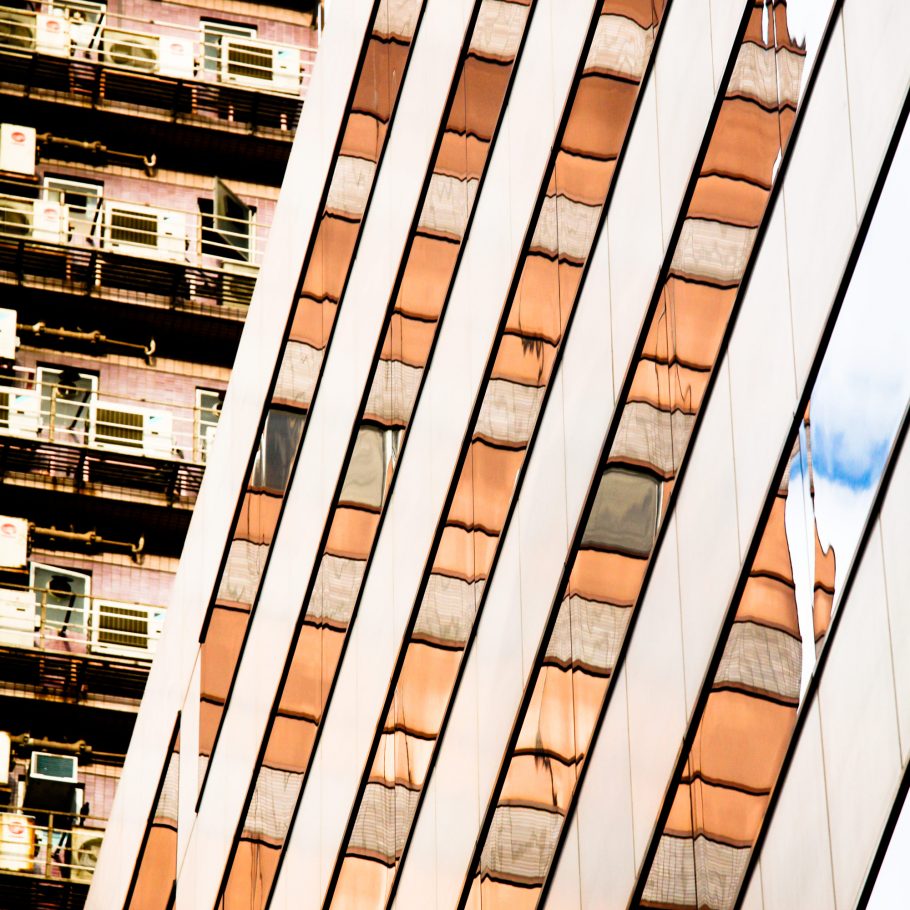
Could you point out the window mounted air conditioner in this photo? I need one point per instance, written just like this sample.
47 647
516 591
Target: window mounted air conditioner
52 34
37 219
139 230
260 65
17 618
17 31
20 411
85 847
125 630
17 149
51 783
17 843
131 50
53 768
131 429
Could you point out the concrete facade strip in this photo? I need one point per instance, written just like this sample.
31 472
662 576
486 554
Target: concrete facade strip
499 228
260 343
345 373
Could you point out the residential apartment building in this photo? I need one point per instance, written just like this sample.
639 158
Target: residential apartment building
550 548
142 145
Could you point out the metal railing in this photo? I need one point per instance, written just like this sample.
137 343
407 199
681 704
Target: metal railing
156 48
35 406
59 846
130 228
64 621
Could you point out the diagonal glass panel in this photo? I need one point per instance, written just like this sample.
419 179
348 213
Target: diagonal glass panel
363 136
155 877
743 726
535 321
646 444
477 100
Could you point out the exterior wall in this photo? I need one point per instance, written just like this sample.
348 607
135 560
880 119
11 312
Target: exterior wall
121 376
283 26
820 840
119 578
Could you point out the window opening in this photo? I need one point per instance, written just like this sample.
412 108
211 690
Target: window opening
67 401
61 604
208 413
213 32
83 201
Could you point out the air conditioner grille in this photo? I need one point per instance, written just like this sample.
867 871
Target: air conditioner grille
121 427
50 765
16 32
14 222
249 61
134 228
134 55
123 626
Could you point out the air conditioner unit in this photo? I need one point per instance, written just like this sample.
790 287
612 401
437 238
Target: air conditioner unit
125 630
84 850
35 218
132 429
131 50
5 748
20 411
52 781
52 34
17 149
17 843
17 31
139 230
54 769
9 340
17 618
162 54
245 61
175 57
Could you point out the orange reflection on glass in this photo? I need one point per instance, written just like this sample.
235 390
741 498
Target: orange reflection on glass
718 805
411 324
153 887
325 273
521 368
652 430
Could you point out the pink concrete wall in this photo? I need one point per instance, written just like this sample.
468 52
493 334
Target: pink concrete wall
140 383
273 27
131 583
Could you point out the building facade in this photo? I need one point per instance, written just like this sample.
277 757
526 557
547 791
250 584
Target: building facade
549 550
142 145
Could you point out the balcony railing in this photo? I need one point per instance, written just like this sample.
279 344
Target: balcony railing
132 247
69 623
76 647
88 437
101 57
34 406
56 846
